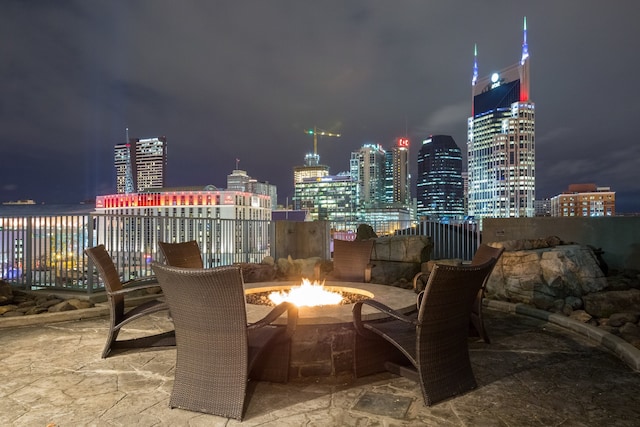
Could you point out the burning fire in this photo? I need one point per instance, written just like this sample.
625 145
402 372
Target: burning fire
307 294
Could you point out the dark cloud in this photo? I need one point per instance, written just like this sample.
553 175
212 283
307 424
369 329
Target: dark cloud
225 80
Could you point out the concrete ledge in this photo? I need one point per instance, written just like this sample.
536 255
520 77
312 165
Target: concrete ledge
44 318
622 349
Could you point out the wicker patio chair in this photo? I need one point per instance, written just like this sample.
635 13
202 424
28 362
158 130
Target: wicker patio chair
217 350
117 292
182 254
482 255
351 261
431 348
476 324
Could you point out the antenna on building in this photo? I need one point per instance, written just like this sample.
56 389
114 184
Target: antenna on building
525 47
475 65
237 163
128 174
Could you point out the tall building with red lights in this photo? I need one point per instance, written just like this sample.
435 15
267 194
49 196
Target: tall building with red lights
397 181
501 142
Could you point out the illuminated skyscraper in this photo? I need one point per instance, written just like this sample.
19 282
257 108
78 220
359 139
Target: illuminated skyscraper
397 185
140 164
501 142
439 184
124 169
150 163
310 170
328 198
368 170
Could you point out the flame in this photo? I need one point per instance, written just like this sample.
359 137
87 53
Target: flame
307 294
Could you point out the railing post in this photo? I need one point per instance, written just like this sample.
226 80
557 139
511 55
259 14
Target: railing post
27 267
89 243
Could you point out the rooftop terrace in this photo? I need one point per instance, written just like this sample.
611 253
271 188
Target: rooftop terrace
534 373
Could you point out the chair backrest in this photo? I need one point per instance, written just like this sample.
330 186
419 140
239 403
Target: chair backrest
350 259
486 252
446 304
107 270
182 254
207 304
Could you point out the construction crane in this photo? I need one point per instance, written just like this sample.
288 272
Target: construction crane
315 132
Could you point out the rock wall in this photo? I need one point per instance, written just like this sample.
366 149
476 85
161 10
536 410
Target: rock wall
542 276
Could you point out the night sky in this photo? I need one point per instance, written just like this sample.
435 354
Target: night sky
227 80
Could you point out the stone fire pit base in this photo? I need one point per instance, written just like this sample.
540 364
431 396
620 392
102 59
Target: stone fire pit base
323 343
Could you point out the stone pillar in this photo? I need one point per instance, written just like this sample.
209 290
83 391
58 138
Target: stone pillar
297 239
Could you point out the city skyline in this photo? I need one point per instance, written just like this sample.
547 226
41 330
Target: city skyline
227 81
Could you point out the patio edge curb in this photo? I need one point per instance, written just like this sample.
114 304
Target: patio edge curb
621 348
46 318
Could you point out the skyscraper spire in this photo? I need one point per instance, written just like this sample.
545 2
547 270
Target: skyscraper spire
128 174
475 65
525 47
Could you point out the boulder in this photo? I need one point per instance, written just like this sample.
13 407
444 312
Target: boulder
252 273
62 306
605 304
619 319
6 293
296 269
399 257
541 276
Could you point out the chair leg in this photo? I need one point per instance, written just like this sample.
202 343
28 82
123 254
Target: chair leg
371 354
111 338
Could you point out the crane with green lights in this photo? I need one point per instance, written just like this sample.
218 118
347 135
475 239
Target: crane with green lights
318 132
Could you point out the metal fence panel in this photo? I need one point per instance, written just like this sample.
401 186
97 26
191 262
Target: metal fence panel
48 251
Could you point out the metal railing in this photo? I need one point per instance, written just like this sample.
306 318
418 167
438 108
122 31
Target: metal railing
48 251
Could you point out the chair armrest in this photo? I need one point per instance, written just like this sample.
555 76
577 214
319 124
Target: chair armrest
292 317
146 280
136 285
357 314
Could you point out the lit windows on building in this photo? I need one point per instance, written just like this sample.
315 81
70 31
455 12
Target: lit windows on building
501 143
368 171
329 198
584 200
439 184
140 164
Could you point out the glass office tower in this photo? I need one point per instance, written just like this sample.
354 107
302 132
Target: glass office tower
439 184
501 142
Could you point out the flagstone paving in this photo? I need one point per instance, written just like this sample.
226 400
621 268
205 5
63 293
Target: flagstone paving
534 373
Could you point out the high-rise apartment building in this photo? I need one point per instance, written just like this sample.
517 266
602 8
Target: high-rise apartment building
501 142
310 170
124 169
397 179
368 170
141 164
440 189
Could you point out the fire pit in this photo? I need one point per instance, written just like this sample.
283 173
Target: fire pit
323 343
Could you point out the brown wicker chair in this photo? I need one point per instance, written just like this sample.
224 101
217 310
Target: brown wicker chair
351 261
217 351
476 324
482 255
431 348
116 295
182 254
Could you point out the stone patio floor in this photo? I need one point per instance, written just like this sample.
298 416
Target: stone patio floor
534 373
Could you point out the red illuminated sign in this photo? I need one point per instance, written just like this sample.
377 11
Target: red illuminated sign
403 142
